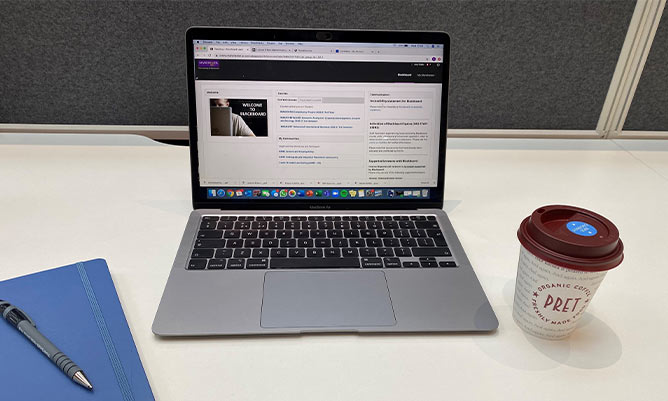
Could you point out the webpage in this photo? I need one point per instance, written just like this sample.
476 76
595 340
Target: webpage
335 117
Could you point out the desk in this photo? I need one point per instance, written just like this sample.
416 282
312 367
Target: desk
126 199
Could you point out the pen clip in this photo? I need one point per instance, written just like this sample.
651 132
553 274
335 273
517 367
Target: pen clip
14 308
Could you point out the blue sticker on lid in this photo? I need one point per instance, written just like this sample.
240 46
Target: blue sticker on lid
581 228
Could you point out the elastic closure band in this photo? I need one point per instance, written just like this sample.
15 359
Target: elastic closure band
121 379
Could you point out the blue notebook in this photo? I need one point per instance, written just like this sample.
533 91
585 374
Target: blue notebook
77 308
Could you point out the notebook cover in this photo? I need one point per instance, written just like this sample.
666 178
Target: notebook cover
63 303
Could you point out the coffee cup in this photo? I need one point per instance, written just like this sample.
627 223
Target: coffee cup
565 253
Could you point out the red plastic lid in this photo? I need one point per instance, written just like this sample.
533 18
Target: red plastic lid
572 237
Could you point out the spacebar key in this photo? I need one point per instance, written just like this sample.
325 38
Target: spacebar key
314 263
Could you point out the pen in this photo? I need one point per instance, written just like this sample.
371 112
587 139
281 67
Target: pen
23 323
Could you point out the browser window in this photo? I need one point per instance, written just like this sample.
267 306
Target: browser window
318 118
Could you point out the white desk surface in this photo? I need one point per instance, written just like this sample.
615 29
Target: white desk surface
66 198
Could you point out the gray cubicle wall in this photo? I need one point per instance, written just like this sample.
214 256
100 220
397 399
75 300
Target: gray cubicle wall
515 64
649 108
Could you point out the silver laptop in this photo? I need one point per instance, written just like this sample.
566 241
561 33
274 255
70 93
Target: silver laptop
324 213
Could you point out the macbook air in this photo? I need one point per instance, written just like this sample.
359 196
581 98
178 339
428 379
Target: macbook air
318 175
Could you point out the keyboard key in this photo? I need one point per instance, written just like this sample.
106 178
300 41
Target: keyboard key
318 233
266 234
225 225
249 234
384 218
288 243
408 242
298 218
207 225
202 253
325 225
367 218
305 243
332 253
228 218
401 233
242 253
418 218
390 224
292 225
418 233
210 218
279 253
385 252
425 263
390 242
349 252
447 264
309 225
406 224
351 233
235 263
197 264
232 234
425 242
384 233
276 225
411 264
431 252
314 263
270 243
403 252
210 234
314 253
262 218
296 252
334 233
357 225
374 225
246 218
367 252
260 253
316 218
341 225
210 243
300 234
371 262
235 243
431 217
257 264
259 225
399 217
281 218
426 224
242 225
368 233
392 262
339 242
374 242
323 242
223 253
357 242
283 233
215 264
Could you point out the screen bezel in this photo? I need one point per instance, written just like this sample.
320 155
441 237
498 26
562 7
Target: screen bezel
199 194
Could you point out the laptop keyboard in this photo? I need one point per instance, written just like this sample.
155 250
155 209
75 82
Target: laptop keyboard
319 242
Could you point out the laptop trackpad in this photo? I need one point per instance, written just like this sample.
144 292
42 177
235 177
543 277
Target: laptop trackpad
326 299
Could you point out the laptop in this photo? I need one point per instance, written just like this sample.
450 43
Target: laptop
325 212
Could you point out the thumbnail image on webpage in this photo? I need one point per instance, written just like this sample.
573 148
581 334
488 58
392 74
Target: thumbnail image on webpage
238 117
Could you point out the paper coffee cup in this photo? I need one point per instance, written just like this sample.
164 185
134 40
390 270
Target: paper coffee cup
565 254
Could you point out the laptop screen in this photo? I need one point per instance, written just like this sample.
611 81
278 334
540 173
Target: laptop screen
302 120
